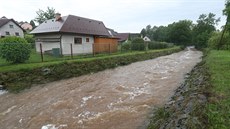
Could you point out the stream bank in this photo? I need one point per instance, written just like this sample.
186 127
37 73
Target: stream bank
185 109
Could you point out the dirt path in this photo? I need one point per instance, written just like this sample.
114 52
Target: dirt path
113 99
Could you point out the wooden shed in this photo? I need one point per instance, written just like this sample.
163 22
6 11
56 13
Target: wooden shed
105 44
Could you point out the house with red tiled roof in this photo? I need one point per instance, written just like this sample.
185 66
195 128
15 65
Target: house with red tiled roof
73 34
26 26
9 27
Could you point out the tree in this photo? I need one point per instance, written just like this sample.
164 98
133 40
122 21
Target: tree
226 12
143 32
180 32
203 29
14 49
138 44
32 24
160 34
45 15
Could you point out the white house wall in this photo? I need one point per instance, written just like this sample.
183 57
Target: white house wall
12 31
84 48
46 46
66 41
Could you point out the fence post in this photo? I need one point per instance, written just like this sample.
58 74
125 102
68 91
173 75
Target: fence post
93 49
41 52
109 49
71 50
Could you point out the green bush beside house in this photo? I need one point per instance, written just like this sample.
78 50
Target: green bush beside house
14 49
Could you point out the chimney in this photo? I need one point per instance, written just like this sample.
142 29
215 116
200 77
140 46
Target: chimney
57 16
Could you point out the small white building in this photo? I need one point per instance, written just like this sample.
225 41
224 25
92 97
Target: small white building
146 39
64 32
8 27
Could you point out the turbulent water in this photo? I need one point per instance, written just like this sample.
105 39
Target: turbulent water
121 98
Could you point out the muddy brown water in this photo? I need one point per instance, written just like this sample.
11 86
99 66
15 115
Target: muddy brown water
121 98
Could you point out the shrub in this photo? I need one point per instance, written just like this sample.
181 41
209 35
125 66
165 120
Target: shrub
126 46
214 41
30 39
138 44
158 45
14 49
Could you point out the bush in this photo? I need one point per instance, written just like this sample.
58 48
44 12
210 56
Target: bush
138 44
214 41
158 45
126 46
30 39
14 49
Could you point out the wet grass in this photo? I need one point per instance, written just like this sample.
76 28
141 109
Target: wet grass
159 118
218 108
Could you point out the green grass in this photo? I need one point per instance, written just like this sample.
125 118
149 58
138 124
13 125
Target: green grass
35 60
218 108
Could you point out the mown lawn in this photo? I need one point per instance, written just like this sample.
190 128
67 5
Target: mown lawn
218 108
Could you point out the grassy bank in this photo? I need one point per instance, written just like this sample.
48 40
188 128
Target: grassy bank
18 77
218 108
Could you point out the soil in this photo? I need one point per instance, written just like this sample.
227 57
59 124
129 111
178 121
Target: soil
112 99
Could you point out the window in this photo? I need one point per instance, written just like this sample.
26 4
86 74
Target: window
11 26
16 33
7 33
87 40
77 40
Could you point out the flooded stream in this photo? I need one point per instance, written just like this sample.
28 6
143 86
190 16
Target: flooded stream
121 98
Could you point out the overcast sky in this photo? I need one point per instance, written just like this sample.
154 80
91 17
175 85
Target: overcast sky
120 15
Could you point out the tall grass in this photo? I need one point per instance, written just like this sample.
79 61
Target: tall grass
218 108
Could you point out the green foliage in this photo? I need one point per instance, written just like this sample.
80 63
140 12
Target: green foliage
180 32
45 15
32 24
160 33
158 45
30 39
177 32
226 12
138 44
126 46
143 32
203 30
14 49
214 40
160 115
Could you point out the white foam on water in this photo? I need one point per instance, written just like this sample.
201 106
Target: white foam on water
8 110
3 92
52 126
85 99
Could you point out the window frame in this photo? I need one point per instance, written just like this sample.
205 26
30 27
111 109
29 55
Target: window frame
87 40
7 33
76 39
17 34
11 26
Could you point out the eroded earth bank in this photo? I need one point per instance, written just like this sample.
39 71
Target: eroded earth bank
112 99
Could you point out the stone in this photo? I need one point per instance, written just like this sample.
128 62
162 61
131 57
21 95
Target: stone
46 71
202 98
